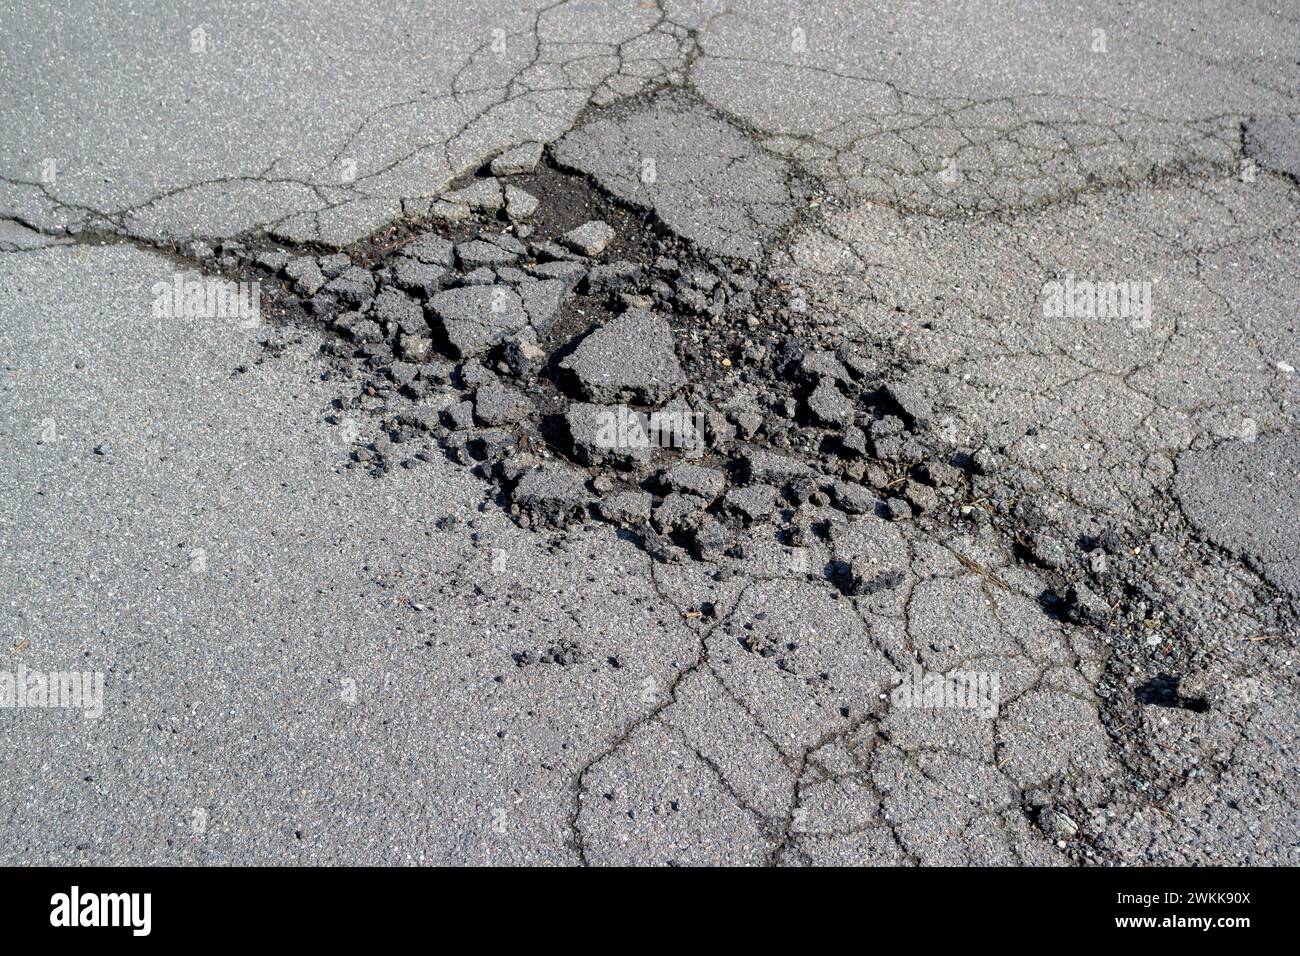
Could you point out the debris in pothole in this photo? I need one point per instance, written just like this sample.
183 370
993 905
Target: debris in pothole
594 368
630 359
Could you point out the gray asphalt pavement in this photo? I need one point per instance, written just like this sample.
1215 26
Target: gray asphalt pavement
320 645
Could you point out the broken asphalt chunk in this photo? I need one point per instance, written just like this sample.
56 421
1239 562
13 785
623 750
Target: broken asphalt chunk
518 159
484 194
631 358
553 494
475 318
590 238
603 434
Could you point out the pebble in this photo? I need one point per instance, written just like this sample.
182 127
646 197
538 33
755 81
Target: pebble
591 238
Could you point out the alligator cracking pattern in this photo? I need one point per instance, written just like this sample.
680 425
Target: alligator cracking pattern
803 614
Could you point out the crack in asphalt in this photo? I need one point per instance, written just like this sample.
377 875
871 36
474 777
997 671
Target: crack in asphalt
916 117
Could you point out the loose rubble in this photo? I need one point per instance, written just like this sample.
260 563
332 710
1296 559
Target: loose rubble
598 376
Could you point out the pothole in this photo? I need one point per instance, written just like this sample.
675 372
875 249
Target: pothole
1162 691
592 364
575 350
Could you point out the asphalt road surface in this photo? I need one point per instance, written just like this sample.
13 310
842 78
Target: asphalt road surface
978 541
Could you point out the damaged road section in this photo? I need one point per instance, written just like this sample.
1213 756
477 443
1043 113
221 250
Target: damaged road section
730 198
763 596
596 330
595 367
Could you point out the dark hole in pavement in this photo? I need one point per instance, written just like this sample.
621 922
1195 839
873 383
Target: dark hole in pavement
1162 691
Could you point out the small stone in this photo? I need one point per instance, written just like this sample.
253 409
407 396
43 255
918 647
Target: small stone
612 276
459 415
829 407
897 509
1048 550
354 287
630 301
601 434
475 318
431 249
677 511
1085 606
706 483
449 211
477 253
590 238
402 372
911 401
421 418
417 277
554 494
824 365
751 503
626 508
483 275
853 442
1060 826
542 300
476 375
631 358
922 496
853 498
748 423
548 251
711 539
334 265
273 261
437 370
676 425
984 462
692 301
399 309
365 330
570 273
323 306
886 426
761 465
941 474
855 361
520 204
306 274
522 355
868 575
500 405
